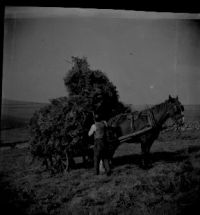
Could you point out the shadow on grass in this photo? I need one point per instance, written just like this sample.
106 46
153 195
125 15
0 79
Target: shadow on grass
14 201
168 157
189 203
171 157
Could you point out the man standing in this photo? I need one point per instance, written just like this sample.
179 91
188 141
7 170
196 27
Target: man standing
100 150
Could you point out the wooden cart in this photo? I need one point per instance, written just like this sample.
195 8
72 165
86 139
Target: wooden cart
68 161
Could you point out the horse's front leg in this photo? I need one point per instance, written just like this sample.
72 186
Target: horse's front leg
143 155
148 155
145 149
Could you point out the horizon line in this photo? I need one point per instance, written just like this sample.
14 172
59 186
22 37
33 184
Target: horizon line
43 102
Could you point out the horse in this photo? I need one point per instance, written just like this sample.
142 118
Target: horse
154 117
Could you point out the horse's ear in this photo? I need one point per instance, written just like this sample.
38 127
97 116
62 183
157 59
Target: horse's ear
170 97
177 97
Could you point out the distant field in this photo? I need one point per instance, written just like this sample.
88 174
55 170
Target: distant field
16 115
192 115
14 135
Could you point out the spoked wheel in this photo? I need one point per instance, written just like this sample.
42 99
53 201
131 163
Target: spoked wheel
67 162
52 163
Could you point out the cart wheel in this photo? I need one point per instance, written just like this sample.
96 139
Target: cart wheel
65 161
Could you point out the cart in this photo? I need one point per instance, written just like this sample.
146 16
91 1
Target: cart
69 161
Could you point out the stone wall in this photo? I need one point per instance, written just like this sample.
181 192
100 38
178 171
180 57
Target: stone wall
188 125
191 125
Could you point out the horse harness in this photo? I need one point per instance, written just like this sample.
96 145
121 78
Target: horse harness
151 119
148 116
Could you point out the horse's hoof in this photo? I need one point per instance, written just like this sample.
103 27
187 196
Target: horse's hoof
146 166
108 173
150 165
142 166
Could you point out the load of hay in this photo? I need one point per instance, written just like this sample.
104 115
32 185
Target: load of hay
62 126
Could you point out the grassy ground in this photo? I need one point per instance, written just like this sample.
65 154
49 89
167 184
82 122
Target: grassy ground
171 186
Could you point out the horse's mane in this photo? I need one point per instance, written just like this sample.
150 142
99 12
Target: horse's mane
157 107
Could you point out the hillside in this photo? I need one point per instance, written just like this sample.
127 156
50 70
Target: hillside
15 114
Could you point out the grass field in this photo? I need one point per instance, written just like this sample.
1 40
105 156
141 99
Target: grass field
171 186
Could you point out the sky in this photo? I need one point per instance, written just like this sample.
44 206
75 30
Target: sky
147 56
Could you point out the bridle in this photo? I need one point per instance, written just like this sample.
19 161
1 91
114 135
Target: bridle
178 120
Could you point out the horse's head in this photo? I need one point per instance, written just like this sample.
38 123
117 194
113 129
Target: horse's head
175 110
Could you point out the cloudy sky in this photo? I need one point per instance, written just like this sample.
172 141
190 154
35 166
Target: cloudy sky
146 55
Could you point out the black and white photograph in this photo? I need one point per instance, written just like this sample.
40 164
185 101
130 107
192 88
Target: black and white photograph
100 112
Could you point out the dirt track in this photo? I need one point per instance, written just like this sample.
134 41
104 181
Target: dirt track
171 186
